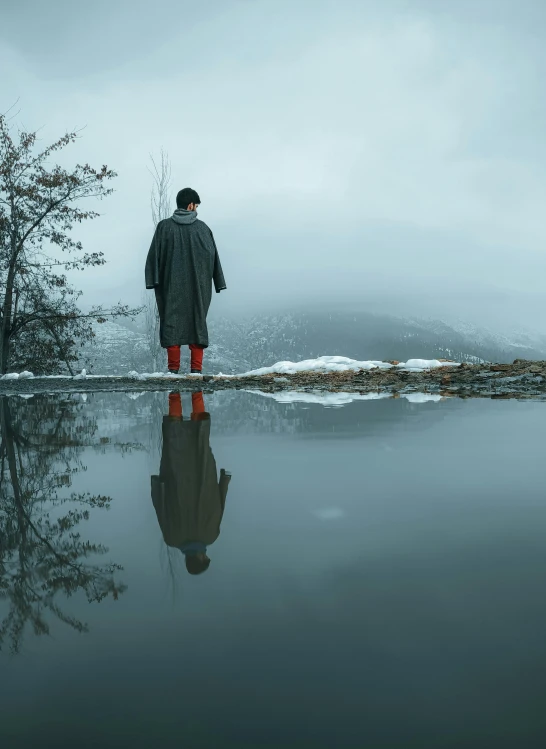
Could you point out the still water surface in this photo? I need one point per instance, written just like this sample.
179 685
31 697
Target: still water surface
379 579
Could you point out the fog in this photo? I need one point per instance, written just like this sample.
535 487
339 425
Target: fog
385 155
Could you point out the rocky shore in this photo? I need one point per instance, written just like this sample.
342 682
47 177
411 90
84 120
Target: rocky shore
521 379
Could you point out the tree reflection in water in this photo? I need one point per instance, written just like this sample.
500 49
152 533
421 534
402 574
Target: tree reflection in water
43 557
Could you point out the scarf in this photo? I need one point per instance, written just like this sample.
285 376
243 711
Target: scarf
181 216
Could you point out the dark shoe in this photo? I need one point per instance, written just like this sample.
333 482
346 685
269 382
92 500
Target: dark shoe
196 371
174 371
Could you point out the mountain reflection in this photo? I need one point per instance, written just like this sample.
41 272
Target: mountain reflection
188 497
43 557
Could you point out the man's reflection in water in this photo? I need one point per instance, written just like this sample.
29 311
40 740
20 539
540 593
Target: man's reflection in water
188 498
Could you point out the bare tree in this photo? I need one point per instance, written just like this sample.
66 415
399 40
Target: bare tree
41 324
160 198
160 203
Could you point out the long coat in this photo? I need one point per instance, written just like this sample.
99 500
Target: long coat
181 265
188 498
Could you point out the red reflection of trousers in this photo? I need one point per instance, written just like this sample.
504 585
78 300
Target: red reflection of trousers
173 353
197 405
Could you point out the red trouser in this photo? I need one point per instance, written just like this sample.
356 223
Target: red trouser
197 404
173 353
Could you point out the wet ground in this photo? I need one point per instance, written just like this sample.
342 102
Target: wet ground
521 379
377 571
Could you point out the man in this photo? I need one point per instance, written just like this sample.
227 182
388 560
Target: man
188 497
181 265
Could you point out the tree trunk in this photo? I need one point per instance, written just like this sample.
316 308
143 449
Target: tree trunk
7 311
5 328
4 352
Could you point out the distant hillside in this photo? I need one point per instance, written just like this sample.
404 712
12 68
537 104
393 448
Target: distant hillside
242 344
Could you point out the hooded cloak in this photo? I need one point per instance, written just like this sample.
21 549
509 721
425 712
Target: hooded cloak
181 266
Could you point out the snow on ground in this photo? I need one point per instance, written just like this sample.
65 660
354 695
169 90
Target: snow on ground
17 376
321 365
164 376
324 364
421 365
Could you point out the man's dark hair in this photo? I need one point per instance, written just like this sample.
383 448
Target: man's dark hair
195 565
185 197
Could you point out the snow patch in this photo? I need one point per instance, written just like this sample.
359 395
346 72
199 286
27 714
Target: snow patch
322 364
153 375
17 376
325 364
420 365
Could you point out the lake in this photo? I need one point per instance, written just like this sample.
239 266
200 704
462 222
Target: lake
377 572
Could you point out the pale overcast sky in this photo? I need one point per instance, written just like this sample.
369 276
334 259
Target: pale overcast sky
339 148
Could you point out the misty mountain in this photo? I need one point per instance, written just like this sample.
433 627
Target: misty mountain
240 344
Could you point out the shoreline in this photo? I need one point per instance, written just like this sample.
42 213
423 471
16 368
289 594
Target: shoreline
521 379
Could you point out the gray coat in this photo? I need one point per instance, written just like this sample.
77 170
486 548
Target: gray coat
189 499
182 263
